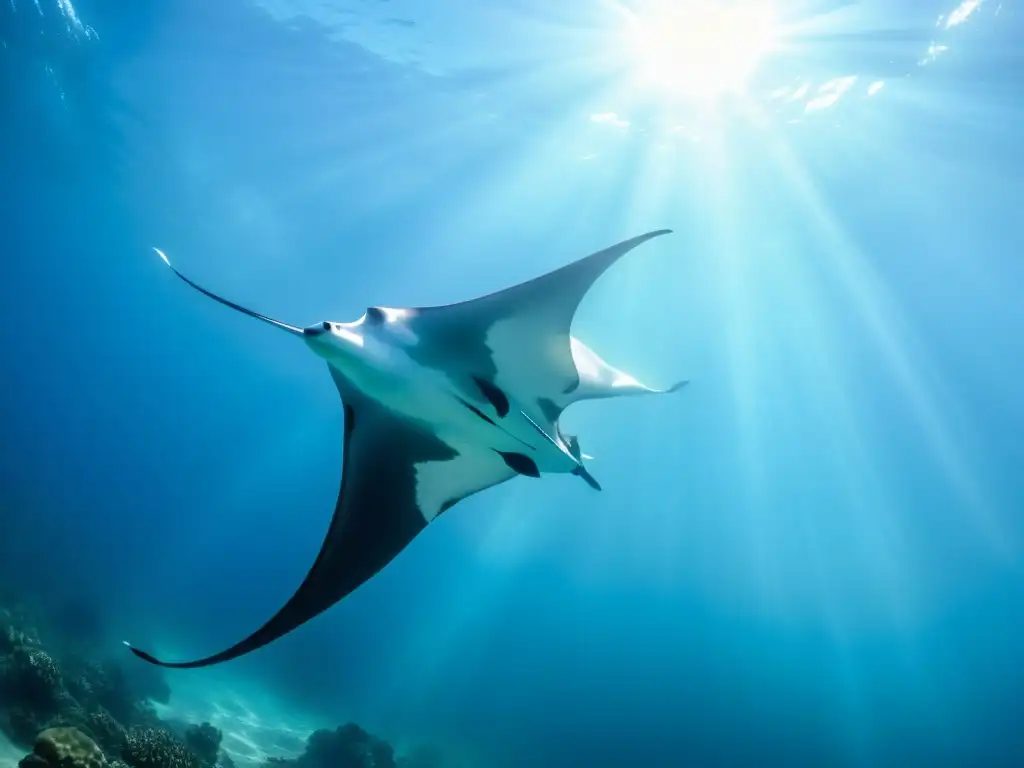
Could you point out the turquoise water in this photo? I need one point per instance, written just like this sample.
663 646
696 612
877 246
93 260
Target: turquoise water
810 556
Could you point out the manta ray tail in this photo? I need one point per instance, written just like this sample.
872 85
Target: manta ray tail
225 302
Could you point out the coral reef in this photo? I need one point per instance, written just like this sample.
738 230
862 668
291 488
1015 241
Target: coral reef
204 742
65 748
158 748
109 734
74 708
31 676
349 746
109 685
79 710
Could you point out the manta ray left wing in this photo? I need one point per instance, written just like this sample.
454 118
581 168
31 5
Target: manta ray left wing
517 340
396 477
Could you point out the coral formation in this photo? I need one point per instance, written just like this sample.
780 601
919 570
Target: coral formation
109 685
12 633
157 748
109 734
31 676
349 746
204 742
77 709
83 711
65 748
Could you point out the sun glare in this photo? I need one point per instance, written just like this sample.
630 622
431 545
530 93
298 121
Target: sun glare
699 49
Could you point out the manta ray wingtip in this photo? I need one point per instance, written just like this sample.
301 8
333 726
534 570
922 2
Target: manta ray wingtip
143 655
651 235
677 386
163 256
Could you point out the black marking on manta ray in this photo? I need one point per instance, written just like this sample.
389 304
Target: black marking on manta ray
494 395
491 421
375 315
477 411
519 462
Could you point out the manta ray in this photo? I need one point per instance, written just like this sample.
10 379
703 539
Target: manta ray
440 403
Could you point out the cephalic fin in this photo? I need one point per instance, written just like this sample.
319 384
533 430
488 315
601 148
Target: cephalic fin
293 329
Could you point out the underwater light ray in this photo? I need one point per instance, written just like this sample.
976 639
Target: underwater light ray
461 604
646 186
743 360
892 582
636 187
381 159
882 320
544 178
882 544
853 672
854 709
891 565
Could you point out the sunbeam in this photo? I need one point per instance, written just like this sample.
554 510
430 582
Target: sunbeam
885 326
697 49
809 555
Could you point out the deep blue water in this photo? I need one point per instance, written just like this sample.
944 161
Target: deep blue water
810 556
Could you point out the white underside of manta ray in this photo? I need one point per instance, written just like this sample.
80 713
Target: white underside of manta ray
440 403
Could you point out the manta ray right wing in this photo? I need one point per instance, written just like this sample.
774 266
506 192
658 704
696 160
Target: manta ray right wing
517 341
397 476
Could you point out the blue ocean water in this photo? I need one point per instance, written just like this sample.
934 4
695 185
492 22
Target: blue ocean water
810 556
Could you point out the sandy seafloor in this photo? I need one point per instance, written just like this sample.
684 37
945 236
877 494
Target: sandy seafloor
255 727
9 754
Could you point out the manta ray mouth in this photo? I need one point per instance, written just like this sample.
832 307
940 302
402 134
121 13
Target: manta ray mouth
283 326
